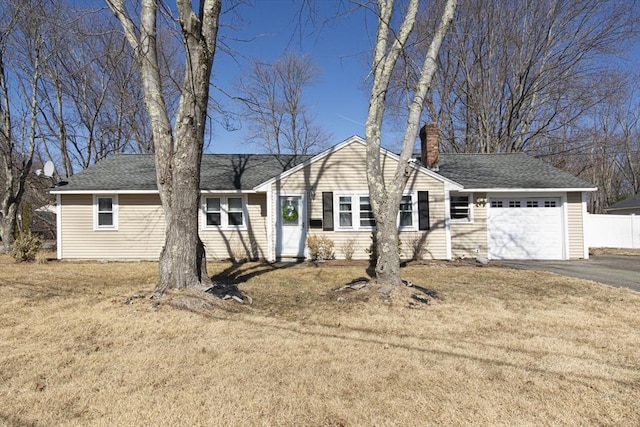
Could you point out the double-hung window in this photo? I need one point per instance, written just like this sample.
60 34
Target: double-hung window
105 212
460 208
213 211
354 212
224 212
366 212
235 212
345 209
405 214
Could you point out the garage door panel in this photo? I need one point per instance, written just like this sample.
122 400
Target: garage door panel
525 232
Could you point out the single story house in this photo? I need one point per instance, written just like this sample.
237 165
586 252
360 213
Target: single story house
262 206
628 206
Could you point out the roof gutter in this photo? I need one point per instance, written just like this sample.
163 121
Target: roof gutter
146 192
525 190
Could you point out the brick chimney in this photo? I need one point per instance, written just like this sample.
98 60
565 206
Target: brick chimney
429 146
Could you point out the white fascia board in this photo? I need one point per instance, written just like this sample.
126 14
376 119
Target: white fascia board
228 191
147 192
525 190
62 192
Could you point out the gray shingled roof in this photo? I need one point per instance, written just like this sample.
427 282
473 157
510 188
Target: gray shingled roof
629 202
512 170
219 172
225 172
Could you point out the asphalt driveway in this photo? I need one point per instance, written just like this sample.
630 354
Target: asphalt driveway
614 270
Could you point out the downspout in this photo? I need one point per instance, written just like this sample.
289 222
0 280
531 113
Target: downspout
585 218
270 226
447 222
58 226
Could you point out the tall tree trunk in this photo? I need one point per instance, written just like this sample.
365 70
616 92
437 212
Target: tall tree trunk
385 195
17 159
178 149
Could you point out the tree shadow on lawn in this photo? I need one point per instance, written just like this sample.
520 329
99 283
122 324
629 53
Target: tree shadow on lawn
227 281
242 272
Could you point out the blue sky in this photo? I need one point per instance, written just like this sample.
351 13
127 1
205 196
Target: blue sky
340 48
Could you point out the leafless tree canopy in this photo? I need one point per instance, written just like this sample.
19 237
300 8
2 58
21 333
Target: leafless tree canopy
272 96
542 77
513 74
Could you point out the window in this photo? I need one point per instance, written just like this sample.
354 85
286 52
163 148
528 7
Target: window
405 214
549 203
532 203
496 203
106 212
224 212
514 203
213 212
366 213
346 214
355 212
235 211
459 208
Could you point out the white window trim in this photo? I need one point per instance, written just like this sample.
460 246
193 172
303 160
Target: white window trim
114 207
224 212
355 212
414 212
470 203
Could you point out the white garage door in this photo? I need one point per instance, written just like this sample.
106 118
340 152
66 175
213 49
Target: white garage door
525 228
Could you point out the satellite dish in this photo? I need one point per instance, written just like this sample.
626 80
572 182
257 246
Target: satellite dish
49 169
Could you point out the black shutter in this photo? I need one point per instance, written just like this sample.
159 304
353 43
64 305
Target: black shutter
327 210
423 210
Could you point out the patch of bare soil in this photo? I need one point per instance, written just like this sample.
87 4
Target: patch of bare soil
363 289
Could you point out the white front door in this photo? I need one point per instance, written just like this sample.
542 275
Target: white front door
290 226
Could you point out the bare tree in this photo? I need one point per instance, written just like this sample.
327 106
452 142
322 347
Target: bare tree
178 143
390 44
605 148
516 72
21 36
91 95
272 98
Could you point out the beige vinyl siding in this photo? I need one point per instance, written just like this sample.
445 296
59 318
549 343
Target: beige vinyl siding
343 171
140 233
250 243
575 223
469 239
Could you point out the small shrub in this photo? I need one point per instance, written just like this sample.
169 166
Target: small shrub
417 246
348 248
320 248
25 247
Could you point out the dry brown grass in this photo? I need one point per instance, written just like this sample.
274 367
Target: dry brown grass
614 251
497 347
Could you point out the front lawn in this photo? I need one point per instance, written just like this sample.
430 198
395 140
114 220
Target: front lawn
82 344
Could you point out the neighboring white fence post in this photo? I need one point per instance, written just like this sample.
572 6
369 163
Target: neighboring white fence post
612 231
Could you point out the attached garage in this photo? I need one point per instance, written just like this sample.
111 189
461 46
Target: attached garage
525 228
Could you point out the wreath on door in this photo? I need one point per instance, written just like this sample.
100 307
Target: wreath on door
290 213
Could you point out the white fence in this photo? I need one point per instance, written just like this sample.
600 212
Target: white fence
612 231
